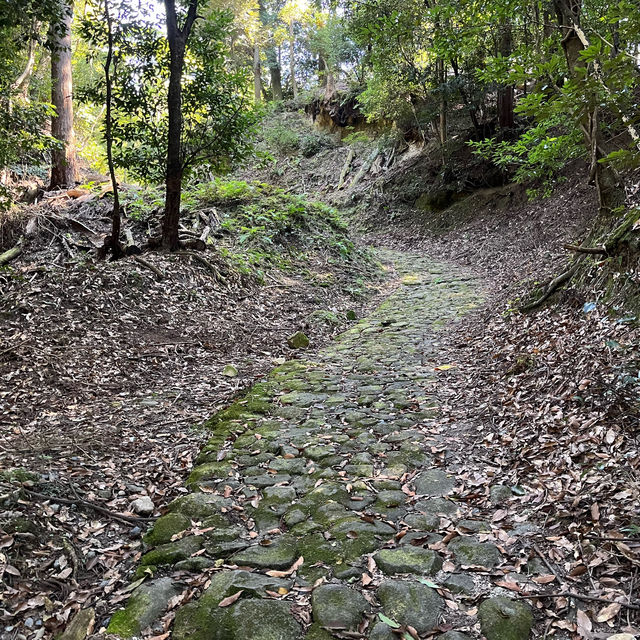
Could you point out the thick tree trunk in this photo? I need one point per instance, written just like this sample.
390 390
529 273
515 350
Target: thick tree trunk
257 75
64 168
292 59
177 45
505 92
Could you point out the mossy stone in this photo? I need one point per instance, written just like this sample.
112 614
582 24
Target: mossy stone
298 340
337 606
381 631
422 521
434 482
165 527
468 552
199 506
209 471
410 603
80 626
172 552
279 555
505 619
459 583
145 605
408 560
316 632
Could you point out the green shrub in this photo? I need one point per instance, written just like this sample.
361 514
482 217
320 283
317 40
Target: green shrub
313 143
281 138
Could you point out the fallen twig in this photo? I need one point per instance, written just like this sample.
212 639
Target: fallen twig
87 503
590 250
546 562
577 596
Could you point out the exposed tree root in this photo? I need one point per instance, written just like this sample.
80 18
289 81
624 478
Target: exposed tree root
551 288
148 265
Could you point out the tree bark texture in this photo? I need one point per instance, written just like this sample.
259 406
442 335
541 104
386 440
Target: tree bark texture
177 38
64 168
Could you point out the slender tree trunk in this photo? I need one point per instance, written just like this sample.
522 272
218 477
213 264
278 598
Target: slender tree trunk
292 59
274 73
21 83
177 45
441 71
505 92
610 195
257 75
114 241
64 168
465 99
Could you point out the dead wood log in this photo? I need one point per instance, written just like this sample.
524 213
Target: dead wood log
12 253
364 169
590 250
345 169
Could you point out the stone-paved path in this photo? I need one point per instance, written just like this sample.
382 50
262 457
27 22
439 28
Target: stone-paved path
318 504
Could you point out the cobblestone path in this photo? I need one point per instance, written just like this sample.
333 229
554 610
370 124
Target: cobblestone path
318 510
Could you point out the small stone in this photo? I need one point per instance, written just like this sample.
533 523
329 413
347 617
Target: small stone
79 628
410 603
454 635
499 494
504 619
459 583
298 340
143 506
338 607
408 560
351 315
230 371
468 552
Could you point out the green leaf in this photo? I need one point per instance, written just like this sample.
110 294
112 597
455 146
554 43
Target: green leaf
429 583
388 621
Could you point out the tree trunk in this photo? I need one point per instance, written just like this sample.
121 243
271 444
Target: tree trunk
114 241
505 92
610 195
64 168
21 83
274 73
441 71
177 45
292 60
257 76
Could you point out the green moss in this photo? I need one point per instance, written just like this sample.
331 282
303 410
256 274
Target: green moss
208 471
172 552
18 476
126 622
165 528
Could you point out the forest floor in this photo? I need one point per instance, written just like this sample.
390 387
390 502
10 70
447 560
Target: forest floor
521 432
